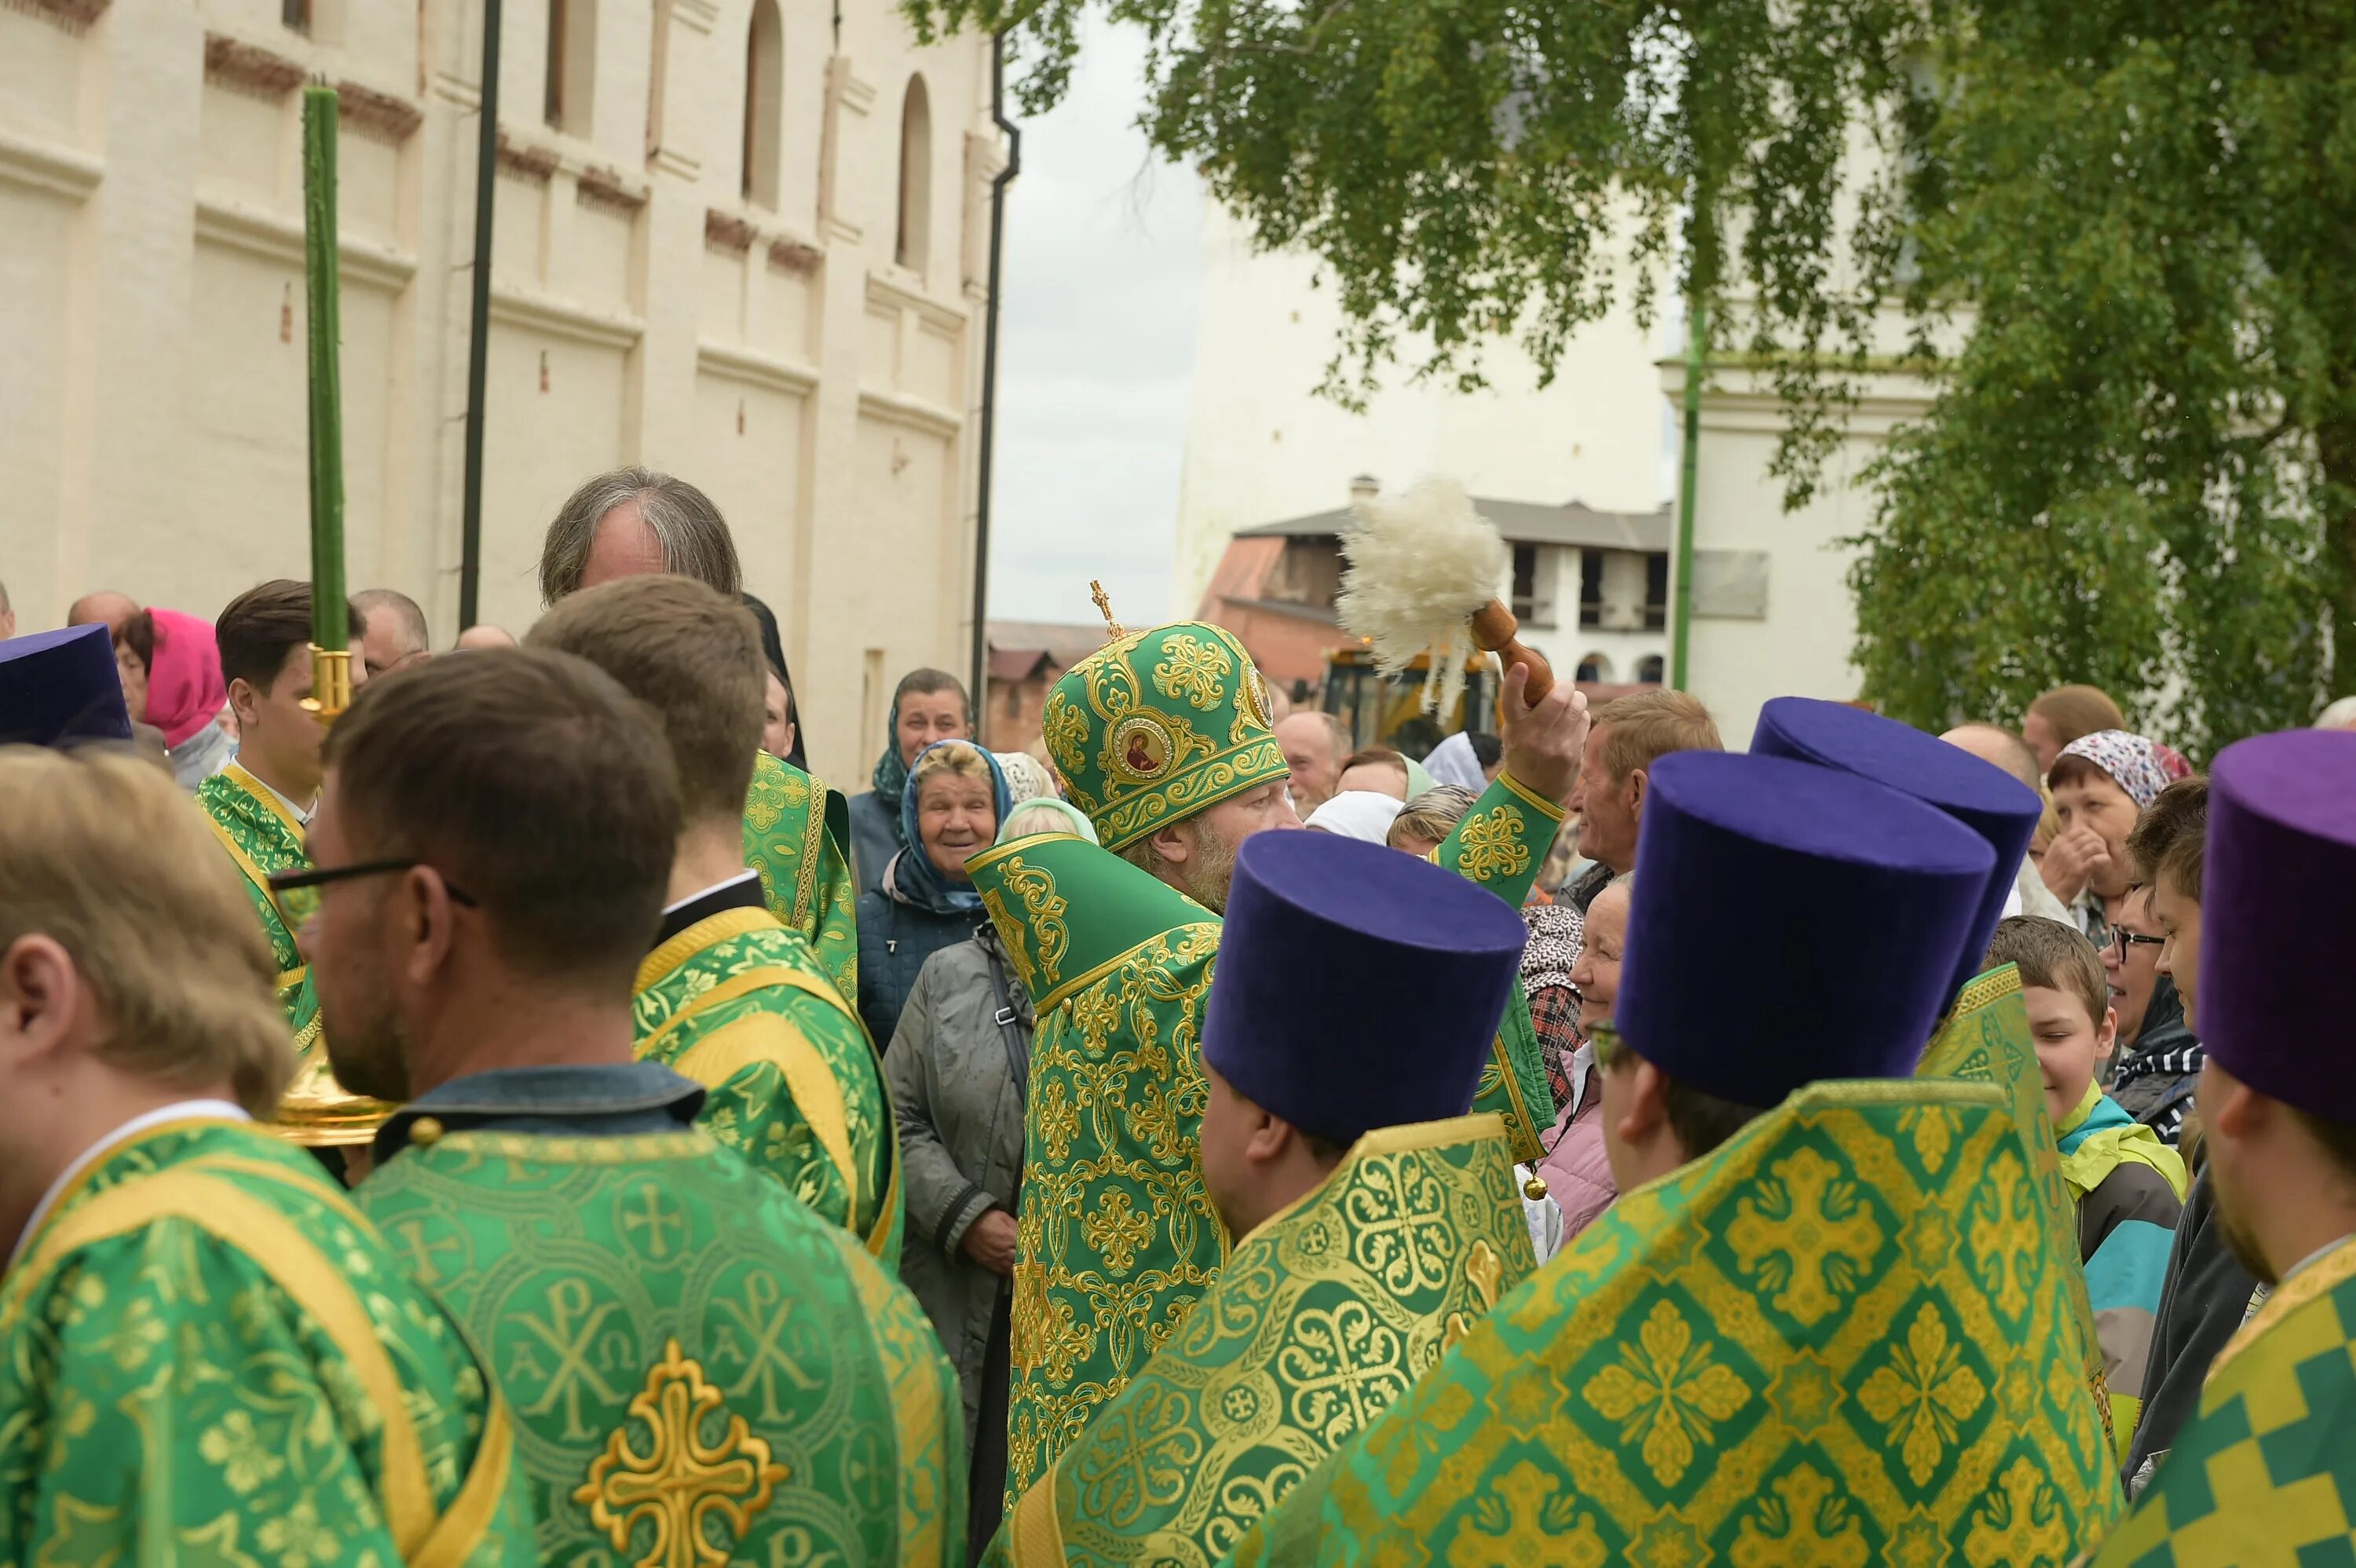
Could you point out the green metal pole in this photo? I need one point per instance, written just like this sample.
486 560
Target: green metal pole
330 633
1681 607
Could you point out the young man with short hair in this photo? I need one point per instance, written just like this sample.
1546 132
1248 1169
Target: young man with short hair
260 805
206 1354
703 1367
2128 1186
729 995
1628 735
2265 1469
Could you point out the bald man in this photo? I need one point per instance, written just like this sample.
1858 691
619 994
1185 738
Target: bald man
105 606
485 635
1995 744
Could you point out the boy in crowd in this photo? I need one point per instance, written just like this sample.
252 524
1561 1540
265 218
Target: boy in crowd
2128 1186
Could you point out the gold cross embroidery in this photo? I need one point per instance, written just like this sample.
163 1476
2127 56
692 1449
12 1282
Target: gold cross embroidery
679 1481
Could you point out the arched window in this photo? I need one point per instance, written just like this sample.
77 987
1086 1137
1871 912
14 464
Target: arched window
765 68
1648 668
1593 668
915 245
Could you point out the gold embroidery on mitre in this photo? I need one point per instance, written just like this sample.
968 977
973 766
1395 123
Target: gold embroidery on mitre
679 1481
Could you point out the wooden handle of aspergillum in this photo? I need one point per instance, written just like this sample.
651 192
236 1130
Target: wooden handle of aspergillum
1493 629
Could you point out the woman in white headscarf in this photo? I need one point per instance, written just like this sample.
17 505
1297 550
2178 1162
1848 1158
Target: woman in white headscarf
1356 814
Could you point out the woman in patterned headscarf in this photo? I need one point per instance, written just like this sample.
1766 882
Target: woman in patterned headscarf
2101 783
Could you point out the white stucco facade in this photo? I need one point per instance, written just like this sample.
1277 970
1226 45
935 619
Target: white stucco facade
1262 447
794 343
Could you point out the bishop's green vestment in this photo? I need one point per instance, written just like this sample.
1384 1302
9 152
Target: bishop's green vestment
1839 1338
2266 1471
1117 1234
263 837
702 1369
211 1356
737 1003
1321 1319
795 829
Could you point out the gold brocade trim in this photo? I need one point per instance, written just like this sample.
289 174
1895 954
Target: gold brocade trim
263 796
1400 1139
1527 1152
709 931
254 874
1992 985
462 1529
99 1160
2320 1278
680 1483
629 1149
742 983
813 844
1079 983
1035 1535
277 1245
758 1037
1536 801
880 1239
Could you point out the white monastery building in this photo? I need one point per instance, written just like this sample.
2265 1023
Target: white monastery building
745 241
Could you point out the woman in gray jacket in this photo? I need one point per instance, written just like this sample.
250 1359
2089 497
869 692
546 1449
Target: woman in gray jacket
957 1067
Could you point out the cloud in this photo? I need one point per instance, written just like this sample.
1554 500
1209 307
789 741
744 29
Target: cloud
1096 351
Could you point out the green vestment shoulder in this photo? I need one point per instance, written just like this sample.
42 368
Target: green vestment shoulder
1321 1319
263 838
702 1369
2266 1471
1985 1040
794 830
1500 845
208 1356
738 1004
1838 1338
1117 1234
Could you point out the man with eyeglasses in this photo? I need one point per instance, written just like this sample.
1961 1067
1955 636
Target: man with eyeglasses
700 1366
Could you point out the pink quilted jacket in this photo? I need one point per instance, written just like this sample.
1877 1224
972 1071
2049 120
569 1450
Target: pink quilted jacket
1577 1174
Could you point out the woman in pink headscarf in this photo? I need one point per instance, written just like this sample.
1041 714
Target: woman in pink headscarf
173 659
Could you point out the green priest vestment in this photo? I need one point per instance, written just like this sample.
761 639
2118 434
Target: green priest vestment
737 1003
795 829
1985 1040
1322 1318
1117 1236
1839 1338
263 837
2266 1471
211 1356
703 1370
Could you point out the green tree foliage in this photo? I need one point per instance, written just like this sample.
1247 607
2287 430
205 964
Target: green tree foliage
2136 470
2137 213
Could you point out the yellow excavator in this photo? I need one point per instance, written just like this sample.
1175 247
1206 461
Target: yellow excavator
1378 707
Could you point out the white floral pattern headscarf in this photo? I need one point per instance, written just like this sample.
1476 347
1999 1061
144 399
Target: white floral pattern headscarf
2133 762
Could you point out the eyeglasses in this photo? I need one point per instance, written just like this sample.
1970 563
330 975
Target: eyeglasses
2122 939
299 892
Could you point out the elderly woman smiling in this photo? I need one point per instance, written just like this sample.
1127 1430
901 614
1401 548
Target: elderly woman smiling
950 809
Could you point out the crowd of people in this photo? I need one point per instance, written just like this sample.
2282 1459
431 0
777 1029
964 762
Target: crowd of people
527 1117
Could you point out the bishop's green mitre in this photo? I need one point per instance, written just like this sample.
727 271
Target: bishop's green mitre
1158 725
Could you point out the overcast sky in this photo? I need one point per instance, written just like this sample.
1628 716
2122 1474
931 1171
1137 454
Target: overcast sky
1096 352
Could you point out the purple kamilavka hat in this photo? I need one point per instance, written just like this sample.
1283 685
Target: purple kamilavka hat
2278 918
